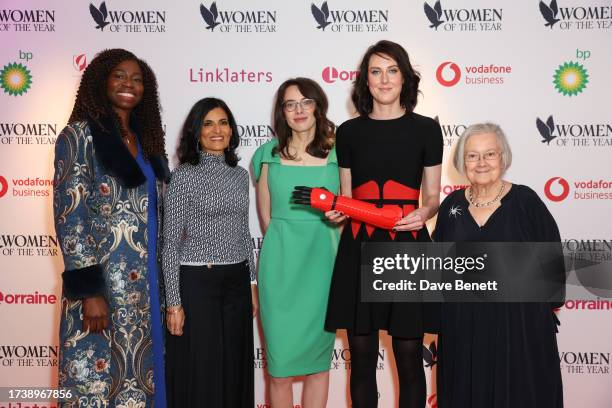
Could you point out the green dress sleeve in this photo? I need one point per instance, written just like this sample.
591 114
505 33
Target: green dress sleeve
264 155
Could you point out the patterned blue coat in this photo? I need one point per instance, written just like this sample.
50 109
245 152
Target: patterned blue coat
100 207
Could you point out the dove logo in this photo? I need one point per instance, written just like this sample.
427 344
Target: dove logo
79 62
331 75
434 14
546 129
349 20
580 18
239 21
3 186
129 21
210 16
556 195
430 355
443 78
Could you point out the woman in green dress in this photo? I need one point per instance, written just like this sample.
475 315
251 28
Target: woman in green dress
299 248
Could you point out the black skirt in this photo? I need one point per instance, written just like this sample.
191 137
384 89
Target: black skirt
211 364
345 309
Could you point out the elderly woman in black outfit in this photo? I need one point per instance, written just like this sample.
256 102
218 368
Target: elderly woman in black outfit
500 355
208 265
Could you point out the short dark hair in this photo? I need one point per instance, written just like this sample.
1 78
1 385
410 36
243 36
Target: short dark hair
361 96
92 103
188 150
324 134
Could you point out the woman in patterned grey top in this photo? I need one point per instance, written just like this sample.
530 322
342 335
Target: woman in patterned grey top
208 264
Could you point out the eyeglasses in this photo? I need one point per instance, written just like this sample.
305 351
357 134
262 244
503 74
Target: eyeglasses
305 104
488 156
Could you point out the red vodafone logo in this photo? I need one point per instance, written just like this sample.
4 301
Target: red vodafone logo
450 76
79 62
332 74
552 192
3 186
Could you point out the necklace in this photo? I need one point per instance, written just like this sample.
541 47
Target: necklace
488 203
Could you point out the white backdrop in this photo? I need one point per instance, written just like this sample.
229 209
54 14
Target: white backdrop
502 58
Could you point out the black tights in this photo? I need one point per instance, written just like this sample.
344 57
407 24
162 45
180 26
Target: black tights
409 360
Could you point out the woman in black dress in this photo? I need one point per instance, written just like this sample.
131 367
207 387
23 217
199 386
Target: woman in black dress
501 355
388 155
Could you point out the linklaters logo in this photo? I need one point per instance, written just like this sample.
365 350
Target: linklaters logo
576 17
351 21
128 21
570 78
595 134
15 79
463 19
238 21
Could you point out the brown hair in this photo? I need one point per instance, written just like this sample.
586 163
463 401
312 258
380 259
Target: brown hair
324 133
361 96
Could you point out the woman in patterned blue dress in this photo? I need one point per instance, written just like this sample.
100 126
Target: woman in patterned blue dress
110 166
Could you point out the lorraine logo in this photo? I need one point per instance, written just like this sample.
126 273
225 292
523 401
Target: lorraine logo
79 62
321 15
434 14
442 78
554 196
99 15
15 79
570 78
210 15
332 74
3 186
549 12
546 129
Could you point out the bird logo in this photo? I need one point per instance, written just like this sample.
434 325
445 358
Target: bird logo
321 15
99 15
546 129
210 15
549 13
434 14
430 355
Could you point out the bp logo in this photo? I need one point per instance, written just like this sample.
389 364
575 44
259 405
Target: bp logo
570 78
15 79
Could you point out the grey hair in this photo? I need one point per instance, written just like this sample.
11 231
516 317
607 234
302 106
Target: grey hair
479 128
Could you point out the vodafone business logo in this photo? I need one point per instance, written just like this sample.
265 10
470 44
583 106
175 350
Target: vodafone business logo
332 74
3 186
555 195
448 76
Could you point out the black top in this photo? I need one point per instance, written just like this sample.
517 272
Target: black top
522 217
395 149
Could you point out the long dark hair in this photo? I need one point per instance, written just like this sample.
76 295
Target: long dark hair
188 150
324 134
92 102
361 96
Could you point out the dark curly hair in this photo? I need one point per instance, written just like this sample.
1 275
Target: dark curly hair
361 96
324 134
188 150
92 103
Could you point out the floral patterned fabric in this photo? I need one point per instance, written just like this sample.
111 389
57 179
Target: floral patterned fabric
102 224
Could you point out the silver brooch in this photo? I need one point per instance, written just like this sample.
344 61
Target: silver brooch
454 211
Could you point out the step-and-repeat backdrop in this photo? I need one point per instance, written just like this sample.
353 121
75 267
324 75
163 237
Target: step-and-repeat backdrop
541 69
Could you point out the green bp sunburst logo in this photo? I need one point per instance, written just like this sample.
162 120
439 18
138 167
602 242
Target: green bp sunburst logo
570 78
15 79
